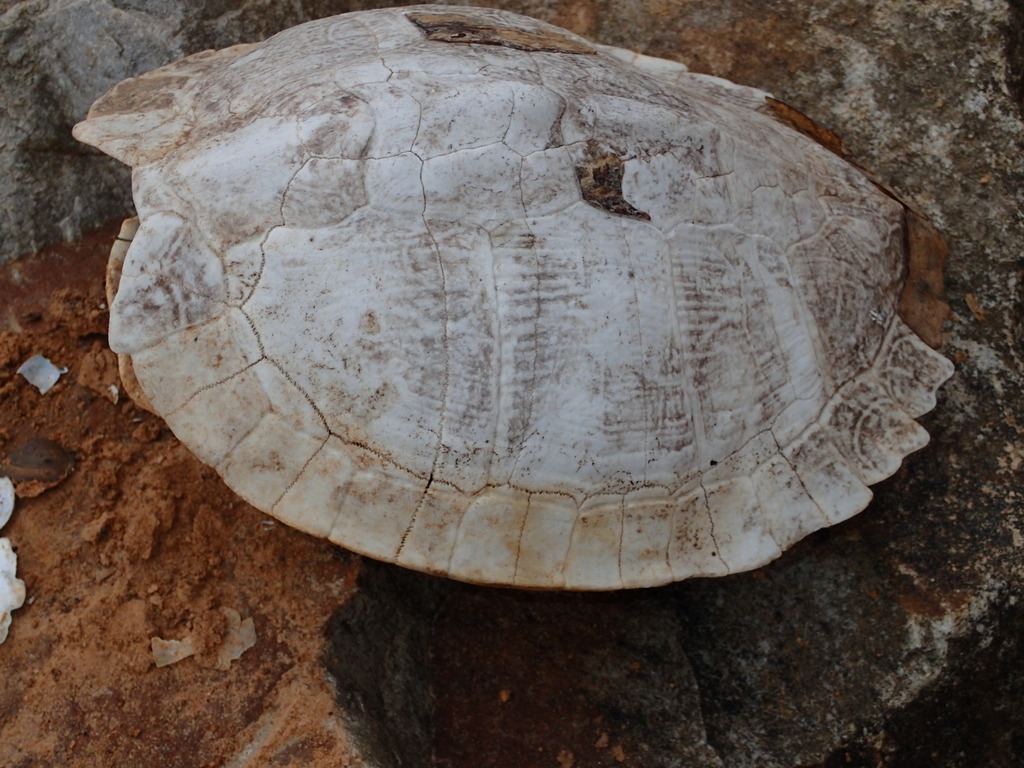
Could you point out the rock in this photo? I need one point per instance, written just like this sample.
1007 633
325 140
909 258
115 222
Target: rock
896 638
893 639
57 57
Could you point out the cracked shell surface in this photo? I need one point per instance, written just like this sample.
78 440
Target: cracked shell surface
462 291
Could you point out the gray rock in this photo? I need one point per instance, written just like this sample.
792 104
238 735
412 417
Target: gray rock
892 640
896 638
56 57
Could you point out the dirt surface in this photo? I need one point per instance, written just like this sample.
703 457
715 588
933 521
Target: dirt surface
122 536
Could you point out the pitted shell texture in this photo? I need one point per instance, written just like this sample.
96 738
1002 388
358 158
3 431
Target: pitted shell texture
460 290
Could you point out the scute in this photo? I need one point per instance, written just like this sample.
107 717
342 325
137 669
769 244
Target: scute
522 310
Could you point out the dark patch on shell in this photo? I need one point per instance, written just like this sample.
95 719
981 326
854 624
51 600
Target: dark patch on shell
800 122
600 178
460 28
921 305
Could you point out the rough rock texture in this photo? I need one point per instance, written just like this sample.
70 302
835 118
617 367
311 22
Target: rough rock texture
892 640
56 57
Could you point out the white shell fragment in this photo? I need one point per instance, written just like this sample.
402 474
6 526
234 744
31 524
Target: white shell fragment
12 589
41 373
460 290
167 652
239 636
6 500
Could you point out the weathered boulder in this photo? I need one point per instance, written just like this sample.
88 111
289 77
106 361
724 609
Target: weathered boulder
56 57
894 639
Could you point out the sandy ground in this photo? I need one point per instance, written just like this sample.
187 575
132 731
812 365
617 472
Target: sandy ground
122 536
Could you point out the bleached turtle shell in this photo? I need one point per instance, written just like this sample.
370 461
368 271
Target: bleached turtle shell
460 290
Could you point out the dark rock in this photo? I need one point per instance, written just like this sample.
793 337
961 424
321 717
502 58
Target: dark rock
378 648
896 639
56 58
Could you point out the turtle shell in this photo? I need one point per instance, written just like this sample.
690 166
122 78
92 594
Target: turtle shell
459 290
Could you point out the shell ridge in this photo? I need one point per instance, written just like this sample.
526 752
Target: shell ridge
237 438
214 345
377 123
923 374
823 470
341 495
826 421
757 267
504 137
371 32
121 122
149 305
412 519
313 506
735 482
499 355
484 539
801 299
622 539
236 467
803 485
295 215
901 434
302 391
445 344
431 543
570 538
535 341
449 565
681 331
847 436
777 518
258 279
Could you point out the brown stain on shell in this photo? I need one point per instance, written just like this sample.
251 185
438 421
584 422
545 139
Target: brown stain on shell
921 305
802 123
462 28
600 178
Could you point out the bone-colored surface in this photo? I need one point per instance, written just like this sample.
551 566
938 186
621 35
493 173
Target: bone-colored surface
12 589
379 301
